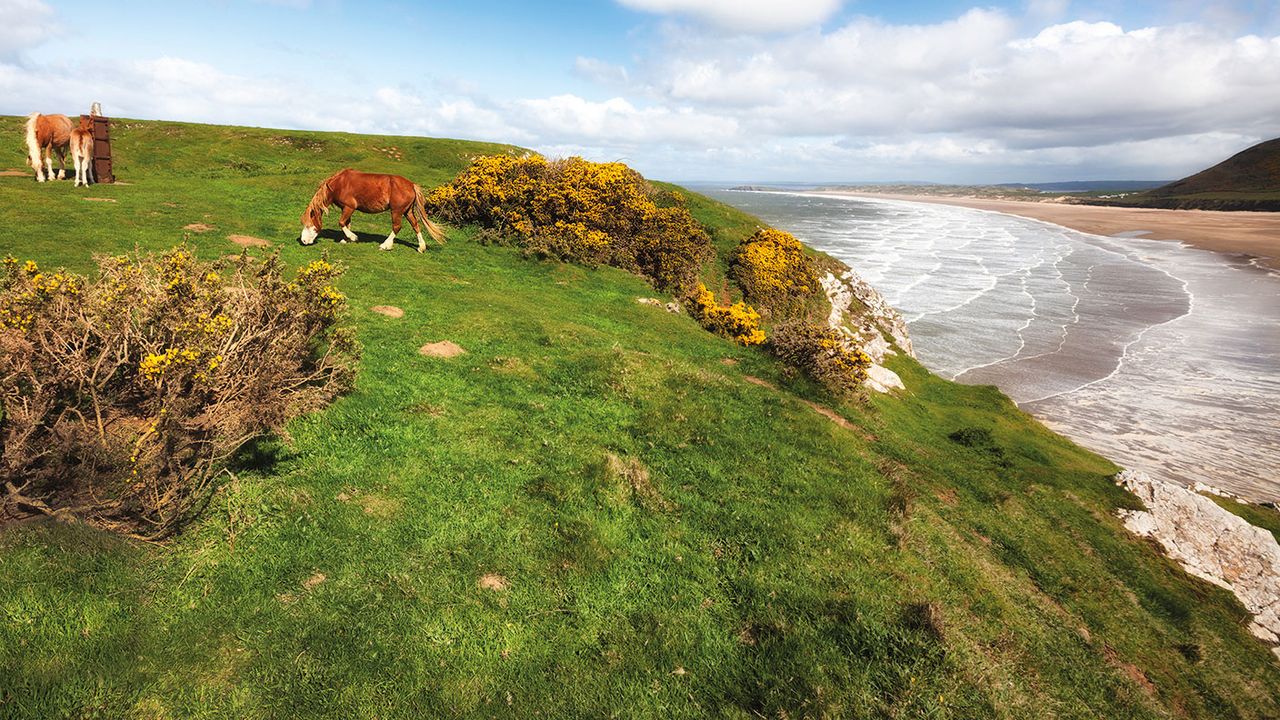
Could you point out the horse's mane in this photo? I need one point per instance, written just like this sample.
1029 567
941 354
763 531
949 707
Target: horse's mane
321 201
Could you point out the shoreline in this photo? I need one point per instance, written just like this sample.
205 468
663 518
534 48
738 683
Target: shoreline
1255 234
1218 231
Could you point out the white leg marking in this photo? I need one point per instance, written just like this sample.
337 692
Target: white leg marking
350 235
48 163
389 243
422 244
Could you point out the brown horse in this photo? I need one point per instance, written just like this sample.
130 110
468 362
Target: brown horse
46 133
82 151
369 193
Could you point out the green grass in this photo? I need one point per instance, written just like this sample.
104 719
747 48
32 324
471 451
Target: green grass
776 563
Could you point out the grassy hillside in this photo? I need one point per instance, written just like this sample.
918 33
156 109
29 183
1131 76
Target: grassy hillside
599 510
1248 180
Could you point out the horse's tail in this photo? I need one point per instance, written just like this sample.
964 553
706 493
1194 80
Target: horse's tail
33 144
420 210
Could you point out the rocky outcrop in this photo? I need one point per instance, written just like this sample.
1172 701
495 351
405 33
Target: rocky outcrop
1212 544
671 307
868 321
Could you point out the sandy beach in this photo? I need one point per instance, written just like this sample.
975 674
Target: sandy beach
1250 233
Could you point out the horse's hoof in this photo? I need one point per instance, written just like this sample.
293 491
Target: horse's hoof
343 241
422 248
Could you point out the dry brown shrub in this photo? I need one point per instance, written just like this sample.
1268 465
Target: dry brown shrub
822 353
126 396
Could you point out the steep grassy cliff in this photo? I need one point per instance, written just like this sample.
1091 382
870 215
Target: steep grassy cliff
599 510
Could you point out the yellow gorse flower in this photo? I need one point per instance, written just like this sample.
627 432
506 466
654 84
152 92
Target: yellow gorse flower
772 268
154 365
580 211
738 322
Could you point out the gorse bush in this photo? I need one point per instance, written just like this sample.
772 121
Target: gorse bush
773 271
738 322
125 396
821 352
580 211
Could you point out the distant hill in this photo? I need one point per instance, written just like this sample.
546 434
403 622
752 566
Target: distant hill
1248 180
1076 186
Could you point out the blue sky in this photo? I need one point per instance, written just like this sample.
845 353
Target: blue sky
823 90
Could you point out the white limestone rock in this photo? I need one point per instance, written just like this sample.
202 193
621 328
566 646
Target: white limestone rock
882 379
1210 489
868 325
1212 544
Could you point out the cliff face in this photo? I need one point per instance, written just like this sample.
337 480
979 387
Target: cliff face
861 313
1212 544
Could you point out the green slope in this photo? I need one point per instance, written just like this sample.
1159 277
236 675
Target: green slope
769 563
1248 180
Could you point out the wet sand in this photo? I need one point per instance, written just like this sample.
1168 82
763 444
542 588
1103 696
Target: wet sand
1248 233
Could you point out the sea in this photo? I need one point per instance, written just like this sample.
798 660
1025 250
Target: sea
1158 356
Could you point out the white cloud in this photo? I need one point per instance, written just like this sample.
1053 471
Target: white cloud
979 90
569 118
600 72
24 24
751 16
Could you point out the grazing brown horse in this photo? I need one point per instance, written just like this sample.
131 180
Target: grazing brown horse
370 193
46 133
82 151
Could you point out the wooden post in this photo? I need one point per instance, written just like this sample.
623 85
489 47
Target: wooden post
102 149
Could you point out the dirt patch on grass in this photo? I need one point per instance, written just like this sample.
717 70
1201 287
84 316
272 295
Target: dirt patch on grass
390 311
1133 672
373 504
248 241
630 483
313 581
494 582
728 362
759 381
377 506
442 349
13 173
426 408
100 199
198 227
829 414
512 366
